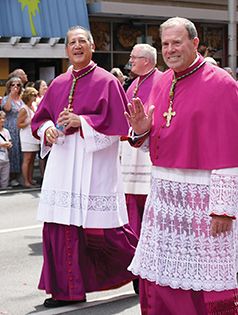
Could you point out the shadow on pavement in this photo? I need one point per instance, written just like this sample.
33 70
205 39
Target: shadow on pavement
111 307
104 306
20 189
36 249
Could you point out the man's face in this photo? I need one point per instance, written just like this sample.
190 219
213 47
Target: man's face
178 50
79 49
138 61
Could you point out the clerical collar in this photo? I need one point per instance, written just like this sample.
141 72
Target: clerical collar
195 63
196 59
77 70
141 77
76 73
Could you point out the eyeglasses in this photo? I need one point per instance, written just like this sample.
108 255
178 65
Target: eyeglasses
136 57
34 95
16 84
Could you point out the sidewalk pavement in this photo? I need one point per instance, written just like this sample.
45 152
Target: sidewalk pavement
20 188
37 177
118 301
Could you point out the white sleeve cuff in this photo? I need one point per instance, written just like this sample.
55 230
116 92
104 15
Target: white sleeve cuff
44 149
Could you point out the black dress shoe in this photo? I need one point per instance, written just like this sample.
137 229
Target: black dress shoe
57 303
136 286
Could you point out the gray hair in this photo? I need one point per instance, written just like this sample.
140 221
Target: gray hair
176 21
78 27
148 52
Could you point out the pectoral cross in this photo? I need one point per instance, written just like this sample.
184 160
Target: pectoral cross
169 115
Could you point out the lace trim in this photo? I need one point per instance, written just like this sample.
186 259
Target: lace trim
223 194
64 199
175 247
101 140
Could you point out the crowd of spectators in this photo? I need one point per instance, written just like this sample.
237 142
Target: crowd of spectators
17 145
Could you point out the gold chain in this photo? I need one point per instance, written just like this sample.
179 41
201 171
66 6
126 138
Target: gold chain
170 113
71 94
139 84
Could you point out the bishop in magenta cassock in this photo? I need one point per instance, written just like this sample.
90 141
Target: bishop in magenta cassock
187 254
136 164
87 242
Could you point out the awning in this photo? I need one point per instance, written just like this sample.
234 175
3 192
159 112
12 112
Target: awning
41 18
153 10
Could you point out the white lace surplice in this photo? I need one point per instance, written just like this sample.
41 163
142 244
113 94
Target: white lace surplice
82 184
175 246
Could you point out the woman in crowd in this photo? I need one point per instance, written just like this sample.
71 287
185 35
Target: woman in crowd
29 145
41 86
11 104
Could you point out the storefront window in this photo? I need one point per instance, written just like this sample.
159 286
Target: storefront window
127 35
103 60
120 60
153 36
213 36
118 38
102 35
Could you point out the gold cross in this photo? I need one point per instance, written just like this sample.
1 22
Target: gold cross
169 115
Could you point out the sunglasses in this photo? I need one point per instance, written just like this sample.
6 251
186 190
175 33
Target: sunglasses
34 95
16 84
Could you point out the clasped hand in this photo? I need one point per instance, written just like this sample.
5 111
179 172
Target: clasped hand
139 119
66 119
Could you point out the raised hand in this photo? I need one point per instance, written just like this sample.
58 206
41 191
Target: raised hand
139 120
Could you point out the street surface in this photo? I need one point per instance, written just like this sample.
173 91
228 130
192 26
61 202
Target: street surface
21 260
